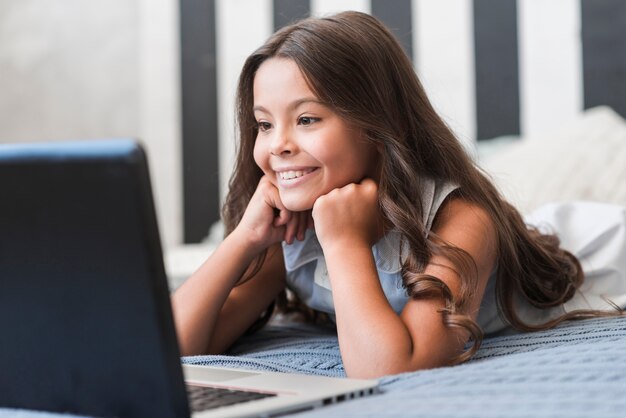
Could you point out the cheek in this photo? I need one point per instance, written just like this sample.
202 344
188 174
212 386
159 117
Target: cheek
260 156
345 165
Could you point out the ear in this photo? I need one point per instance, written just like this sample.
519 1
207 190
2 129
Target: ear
365 137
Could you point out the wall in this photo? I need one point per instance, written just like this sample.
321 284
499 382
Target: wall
85 69
110 68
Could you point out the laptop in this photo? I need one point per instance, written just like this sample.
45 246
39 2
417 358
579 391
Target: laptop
85 319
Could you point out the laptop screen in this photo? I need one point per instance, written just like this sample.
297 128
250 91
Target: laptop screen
85 321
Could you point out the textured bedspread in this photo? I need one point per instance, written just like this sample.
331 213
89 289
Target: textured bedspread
576 370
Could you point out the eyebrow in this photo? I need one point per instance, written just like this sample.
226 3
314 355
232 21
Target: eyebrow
295 104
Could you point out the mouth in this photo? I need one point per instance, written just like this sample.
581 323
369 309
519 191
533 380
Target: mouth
294 174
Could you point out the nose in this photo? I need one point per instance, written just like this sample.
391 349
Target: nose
282 143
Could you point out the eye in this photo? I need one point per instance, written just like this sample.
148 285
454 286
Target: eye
264 126
307 120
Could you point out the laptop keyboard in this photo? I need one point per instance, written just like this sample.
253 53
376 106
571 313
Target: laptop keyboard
202 398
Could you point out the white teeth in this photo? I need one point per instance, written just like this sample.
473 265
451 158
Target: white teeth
289 175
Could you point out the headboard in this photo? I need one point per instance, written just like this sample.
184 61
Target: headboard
491 68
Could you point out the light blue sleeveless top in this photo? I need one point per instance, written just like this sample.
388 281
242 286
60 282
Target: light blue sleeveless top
307 275
594 232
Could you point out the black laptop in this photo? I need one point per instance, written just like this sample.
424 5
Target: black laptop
85 320
65 229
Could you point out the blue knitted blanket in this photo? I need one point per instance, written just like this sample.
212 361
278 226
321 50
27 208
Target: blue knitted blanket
575 370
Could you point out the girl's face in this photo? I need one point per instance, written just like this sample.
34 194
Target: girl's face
304 147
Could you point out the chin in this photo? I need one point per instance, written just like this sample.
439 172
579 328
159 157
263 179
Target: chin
295 204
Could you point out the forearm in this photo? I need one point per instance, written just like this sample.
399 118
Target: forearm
198 302
373 339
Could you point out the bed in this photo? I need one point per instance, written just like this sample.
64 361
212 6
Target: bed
575 370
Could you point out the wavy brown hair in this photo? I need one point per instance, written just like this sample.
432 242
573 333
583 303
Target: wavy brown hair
357 67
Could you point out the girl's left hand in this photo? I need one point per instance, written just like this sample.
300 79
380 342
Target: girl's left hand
349 216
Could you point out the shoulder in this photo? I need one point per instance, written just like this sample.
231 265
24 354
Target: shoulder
469 227
458 212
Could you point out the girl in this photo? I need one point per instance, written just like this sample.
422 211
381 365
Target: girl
350 191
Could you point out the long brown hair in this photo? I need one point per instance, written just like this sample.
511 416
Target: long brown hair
353 63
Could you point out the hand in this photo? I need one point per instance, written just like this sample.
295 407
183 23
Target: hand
266 221
349 216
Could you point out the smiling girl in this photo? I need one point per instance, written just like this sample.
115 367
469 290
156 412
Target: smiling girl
351 192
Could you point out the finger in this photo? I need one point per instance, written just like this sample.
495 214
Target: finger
283 217
367 181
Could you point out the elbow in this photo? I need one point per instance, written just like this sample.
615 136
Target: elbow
190 343
185 346
376 372
192 348
394 365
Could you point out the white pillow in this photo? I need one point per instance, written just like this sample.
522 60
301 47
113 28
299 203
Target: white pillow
585 160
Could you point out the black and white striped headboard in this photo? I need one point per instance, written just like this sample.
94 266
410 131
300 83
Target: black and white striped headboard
491 68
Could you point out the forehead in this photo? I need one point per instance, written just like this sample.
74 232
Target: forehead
280 77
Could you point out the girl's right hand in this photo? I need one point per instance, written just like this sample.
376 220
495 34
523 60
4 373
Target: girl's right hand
266 221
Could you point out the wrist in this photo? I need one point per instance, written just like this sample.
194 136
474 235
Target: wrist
345 247
349 264
247 241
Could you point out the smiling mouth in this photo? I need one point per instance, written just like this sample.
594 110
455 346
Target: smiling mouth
290 175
